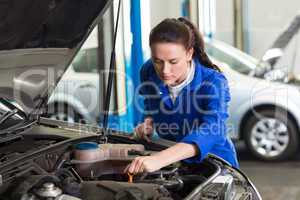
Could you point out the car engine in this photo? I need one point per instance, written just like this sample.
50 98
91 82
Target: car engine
93 170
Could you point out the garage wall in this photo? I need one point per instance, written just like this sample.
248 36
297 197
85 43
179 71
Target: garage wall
264 21
224 21
160 9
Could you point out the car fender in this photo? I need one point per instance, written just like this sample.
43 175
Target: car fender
281 100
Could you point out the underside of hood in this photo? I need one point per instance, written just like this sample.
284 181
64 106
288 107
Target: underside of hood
38 40
47 23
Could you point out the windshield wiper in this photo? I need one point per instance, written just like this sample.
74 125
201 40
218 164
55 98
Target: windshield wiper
10 132
8 115
11 106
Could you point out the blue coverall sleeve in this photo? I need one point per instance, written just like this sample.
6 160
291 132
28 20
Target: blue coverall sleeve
214 96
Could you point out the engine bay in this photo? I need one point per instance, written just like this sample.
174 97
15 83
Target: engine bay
94 169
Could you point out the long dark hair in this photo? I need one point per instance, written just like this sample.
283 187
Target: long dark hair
184 32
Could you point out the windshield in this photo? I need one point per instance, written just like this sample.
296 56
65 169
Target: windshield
235 58
10 114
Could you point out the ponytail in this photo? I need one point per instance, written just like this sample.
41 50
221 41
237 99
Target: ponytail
198 45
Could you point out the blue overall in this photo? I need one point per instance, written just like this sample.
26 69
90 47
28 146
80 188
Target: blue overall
198 114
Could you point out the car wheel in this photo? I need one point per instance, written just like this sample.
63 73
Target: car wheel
64 112
271 135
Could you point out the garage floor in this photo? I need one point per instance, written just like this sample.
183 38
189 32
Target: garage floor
275 181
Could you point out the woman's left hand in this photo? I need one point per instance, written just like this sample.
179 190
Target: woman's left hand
144 164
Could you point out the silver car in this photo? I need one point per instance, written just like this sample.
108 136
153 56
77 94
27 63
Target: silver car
264 110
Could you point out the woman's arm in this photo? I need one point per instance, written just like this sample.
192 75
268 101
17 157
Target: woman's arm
195 146
214 114
179 151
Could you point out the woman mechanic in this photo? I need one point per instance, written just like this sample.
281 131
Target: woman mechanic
186 99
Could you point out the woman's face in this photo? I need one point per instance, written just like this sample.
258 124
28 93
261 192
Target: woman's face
171 61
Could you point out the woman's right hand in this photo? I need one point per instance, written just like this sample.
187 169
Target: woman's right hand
144 130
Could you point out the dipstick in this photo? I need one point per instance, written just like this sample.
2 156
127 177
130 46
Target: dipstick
130 177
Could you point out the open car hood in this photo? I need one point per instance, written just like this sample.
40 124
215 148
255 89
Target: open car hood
38 41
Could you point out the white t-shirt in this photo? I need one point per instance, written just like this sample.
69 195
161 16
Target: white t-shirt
175 90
